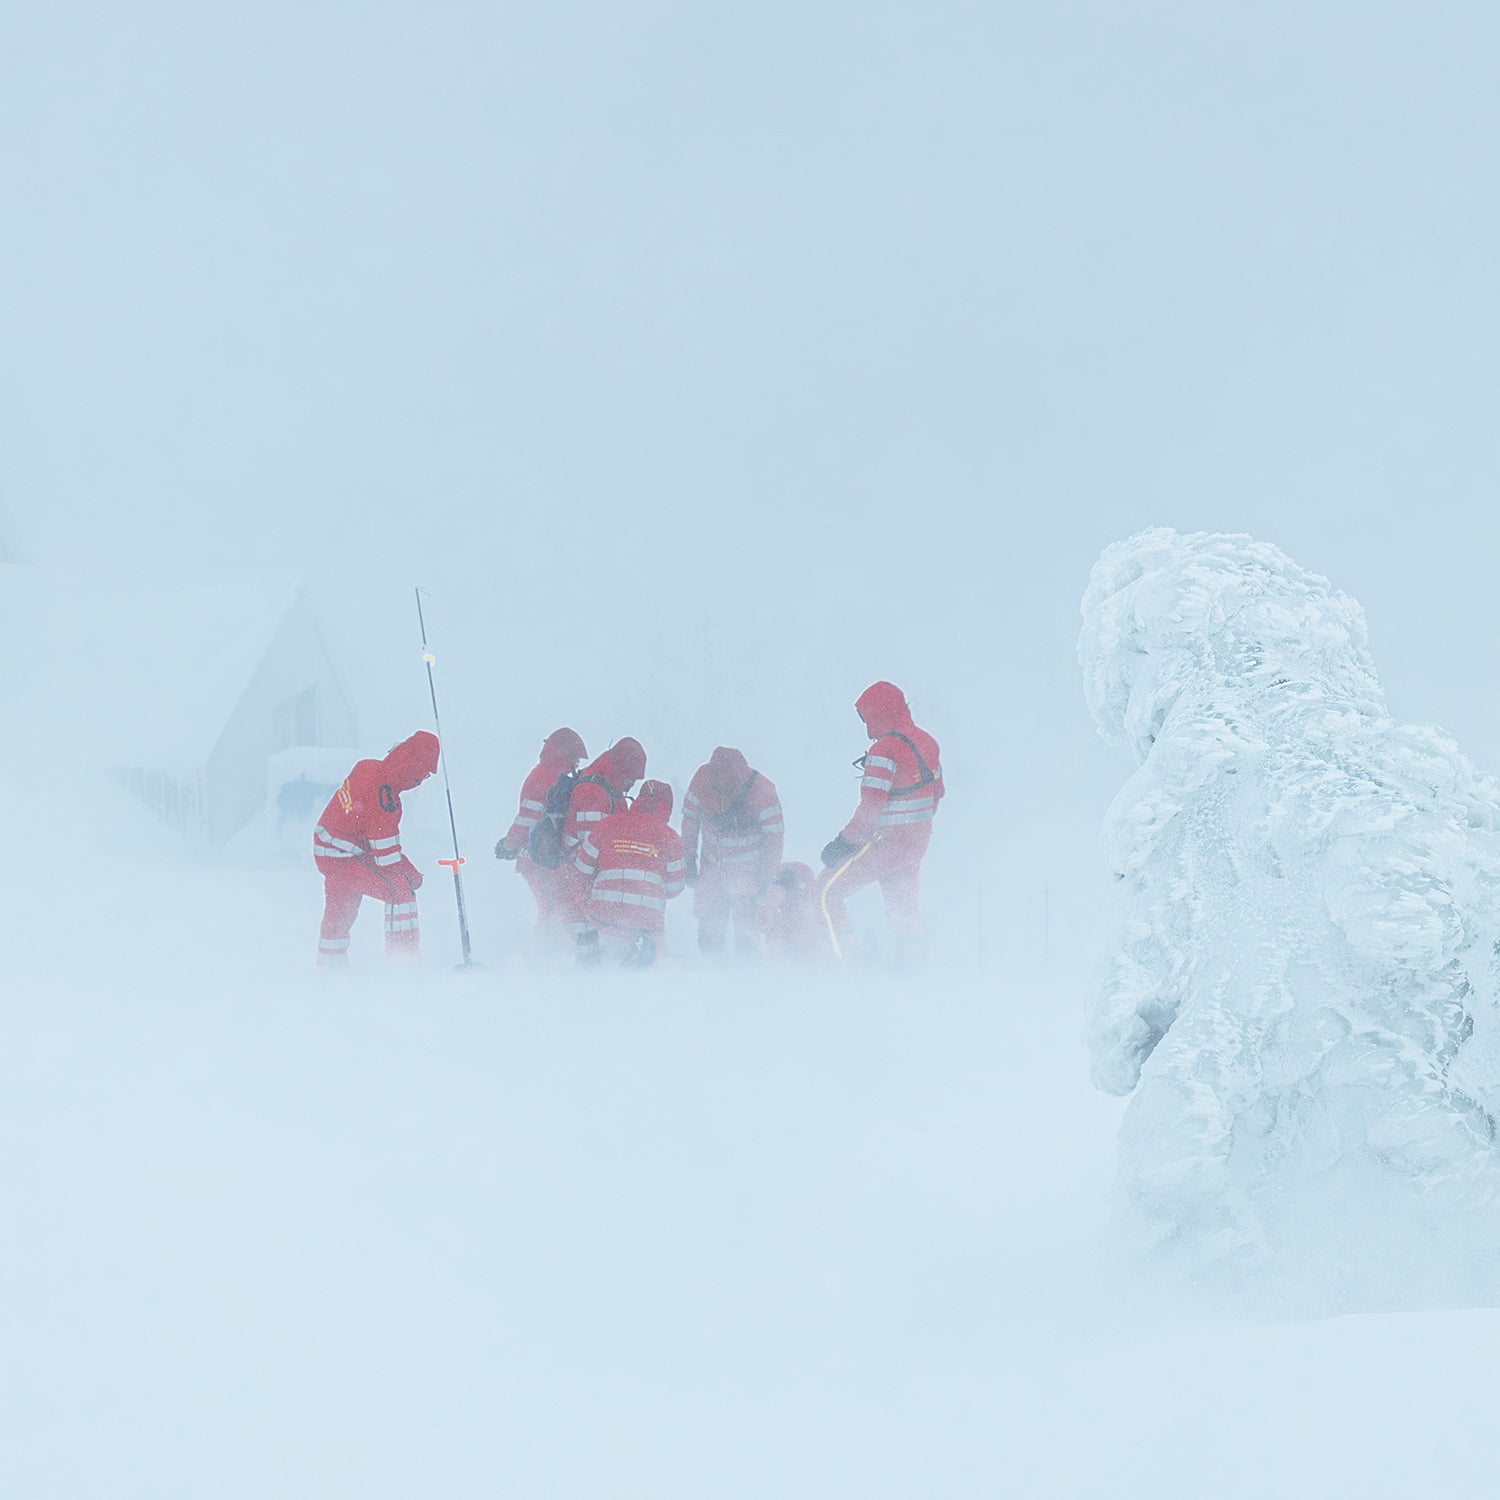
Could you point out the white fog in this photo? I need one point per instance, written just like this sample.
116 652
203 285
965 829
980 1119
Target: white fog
704 366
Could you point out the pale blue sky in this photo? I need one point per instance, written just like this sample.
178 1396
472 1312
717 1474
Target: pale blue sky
840 338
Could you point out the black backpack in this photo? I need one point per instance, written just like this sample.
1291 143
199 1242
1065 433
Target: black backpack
737 817
546 847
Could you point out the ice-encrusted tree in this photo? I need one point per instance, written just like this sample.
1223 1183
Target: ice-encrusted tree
1296 978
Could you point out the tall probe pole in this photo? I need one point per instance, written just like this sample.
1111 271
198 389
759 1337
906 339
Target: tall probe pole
458 859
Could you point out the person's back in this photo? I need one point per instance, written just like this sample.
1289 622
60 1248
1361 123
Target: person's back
736 813
632 864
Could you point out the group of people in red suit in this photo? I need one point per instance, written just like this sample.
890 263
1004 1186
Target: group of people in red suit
602 864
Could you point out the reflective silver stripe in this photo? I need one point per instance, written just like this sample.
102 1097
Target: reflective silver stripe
586 846
321 832
912 817
388 859
674 865
384 843
533 806
631 898
906 804
576 927
692 804
582 865
773 811
649 876
333 945
587 817
522 821
881 761
401 908
401 924
324 852
880 783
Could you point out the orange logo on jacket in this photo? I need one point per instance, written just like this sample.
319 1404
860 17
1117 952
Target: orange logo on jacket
634 846
346 797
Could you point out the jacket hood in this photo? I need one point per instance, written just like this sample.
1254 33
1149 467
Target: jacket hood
412 761
564 746
722 779
654 799
882 706
623 764
629 760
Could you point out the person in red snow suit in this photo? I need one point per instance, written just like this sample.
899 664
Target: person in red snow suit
357 845
886 838
788 918
561 752
600 790
632 864
738 814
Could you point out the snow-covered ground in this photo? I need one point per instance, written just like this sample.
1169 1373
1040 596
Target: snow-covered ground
530 1233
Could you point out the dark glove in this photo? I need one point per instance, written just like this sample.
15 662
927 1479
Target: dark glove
837 850
503 852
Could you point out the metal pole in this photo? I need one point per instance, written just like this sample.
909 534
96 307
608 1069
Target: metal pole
458 859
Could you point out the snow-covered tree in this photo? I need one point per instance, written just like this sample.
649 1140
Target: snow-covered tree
1297 975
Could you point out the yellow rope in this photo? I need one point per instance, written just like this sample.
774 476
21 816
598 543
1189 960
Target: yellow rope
833 937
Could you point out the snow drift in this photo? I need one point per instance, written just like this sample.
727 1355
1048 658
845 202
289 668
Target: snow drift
1297 975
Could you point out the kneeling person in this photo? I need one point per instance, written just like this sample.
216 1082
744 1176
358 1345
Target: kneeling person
632 864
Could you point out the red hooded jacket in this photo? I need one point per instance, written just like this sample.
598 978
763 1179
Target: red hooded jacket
903 775
634 863
738 814
363 818
601 788
561 752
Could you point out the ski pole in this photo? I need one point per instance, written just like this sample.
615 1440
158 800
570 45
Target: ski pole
458 859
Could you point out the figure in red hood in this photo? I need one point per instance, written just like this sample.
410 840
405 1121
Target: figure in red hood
885 840
737 814
600 789
357 846
628 867
536 847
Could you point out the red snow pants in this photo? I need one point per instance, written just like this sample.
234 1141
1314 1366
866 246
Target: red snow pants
346 882
894 862
721 897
